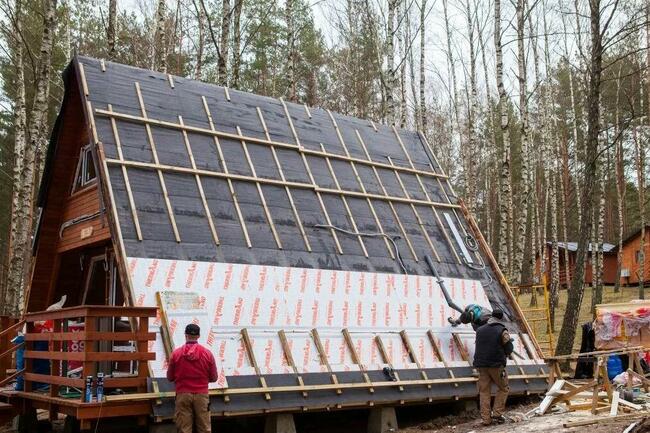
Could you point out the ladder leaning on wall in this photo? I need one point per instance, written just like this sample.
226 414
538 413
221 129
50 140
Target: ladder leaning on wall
534 301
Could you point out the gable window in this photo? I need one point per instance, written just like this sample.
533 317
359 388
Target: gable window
86 173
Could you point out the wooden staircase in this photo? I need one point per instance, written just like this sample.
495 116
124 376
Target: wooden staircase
8 330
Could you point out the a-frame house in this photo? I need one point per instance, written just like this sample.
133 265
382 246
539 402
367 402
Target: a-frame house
296 237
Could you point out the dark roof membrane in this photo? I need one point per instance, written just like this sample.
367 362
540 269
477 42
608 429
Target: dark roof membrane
417 228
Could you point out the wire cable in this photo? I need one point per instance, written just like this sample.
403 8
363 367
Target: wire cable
77 220
392 240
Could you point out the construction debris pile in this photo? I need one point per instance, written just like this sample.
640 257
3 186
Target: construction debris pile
609 393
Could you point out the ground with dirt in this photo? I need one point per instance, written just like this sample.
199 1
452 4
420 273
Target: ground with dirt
540 424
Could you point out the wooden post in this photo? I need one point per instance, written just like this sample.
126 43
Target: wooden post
89 367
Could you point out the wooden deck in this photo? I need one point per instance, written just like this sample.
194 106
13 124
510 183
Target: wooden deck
95 340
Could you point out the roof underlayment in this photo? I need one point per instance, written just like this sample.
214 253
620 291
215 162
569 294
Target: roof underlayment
254 206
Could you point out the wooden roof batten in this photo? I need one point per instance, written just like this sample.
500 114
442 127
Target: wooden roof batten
403 199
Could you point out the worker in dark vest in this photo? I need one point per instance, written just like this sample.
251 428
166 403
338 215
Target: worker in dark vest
191 368
474 314
493 346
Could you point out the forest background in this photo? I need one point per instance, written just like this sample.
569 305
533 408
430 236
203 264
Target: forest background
537 109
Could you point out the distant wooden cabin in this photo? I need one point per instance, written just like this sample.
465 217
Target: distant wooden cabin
630 270
609 262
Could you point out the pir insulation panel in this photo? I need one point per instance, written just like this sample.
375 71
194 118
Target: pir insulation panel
300 233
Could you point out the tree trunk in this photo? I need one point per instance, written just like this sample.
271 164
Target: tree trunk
471 116
641 165
390 63
640 174
110 32
160 40
522 214
38 115
505 201
223 42
423 105
236 44
291 52
200 46
19 231
402 70
620 184
576 293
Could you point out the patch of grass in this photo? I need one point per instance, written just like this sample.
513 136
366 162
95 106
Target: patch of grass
540 329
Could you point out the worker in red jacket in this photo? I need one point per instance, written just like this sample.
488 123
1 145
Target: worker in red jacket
191 368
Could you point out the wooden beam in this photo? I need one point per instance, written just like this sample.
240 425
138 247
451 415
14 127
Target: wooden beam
323 358
251 139
127 184
384 354
345 204
415 212
248 345
439 355
311 178
286 349
152 145
356 359
390 203
267 212
244 178
199 185
286 187
407 342
388 244
231 187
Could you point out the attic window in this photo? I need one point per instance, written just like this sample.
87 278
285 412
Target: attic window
85 173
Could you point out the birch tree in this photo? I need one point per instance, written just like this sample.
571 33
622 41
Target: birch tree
522 214
159 58
620 182
291 51
236 44
505 201
20 210
110 31
200 44
390 63
423 103
224 43
472 109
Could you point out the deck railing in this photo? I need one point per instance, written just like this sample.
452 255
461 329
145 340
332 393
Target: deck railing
9 328
98 347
